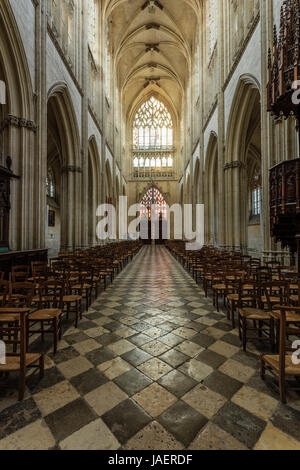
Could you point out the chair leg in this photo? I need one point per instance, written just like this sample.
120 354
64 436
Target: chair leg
244 334
272 340
42 366
55 335
228 310
22 382
42 332
282 388
60 327
27 335
80 309
262 368
240 327
76 313
232 314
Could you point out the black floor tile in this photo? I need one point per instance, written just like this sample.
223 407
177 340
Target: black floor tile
222 384
177 383
183 422
133 382
18 416
126 420
88 381
69 419
241 424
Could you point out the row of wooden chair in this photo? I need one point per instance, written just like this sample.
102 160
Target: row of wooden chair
34 299
266 299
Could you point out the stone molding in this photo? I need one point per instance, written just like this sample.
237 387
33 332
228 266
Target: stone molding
236 164
11 120
71 169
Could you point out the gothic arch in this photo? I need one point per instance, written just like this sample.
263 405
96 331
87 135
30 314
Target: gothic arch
246 95
243 131
94 188
17 117
61 118
211 190
14 62
144 98
60 100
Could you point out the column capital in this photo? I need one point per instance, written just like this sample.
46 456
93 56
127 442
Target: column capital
236 164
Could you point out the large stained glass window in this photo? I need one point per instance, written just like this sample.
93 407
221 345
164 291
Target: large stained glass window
154 197
153 126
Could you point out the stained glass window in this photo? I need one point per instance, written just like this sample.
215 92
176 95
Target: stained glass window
153 126
154 197
256 194
50 183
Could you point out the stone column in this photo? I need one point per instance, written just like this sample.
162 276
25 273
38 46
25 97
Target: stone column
221 127
266 9
84 132
40 157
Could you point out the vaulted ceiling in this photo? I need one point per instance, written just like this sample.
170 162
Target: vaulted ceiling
151 44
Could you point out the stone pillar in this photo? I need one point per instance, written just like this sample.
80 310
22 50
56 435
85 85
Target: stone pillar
84 133
40 157
221 127
266 9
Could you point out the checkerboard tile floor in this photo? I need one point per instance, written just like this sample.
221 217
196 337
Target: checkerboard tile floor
152 366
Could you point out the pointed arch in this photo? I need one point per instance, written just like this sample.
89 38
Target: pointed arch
94 188
15 66
211 191
243 130
246 95
154 197
60 100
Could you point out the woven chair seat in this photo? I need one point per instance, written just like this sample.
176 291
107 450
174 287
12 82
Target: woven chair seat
13 363
45 314
291 369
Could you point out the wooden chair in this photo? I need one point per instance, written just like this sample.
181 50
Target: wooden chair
72 298
39 270
20 294
49 313
263 323
83 287
20 273
236 297
282 365
14 334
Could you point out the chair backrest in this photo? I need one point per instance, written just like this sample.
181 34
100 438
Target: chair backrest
21 294
4 292
51 294
14 333
38 268
247 288
275 289
20 273
283 347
